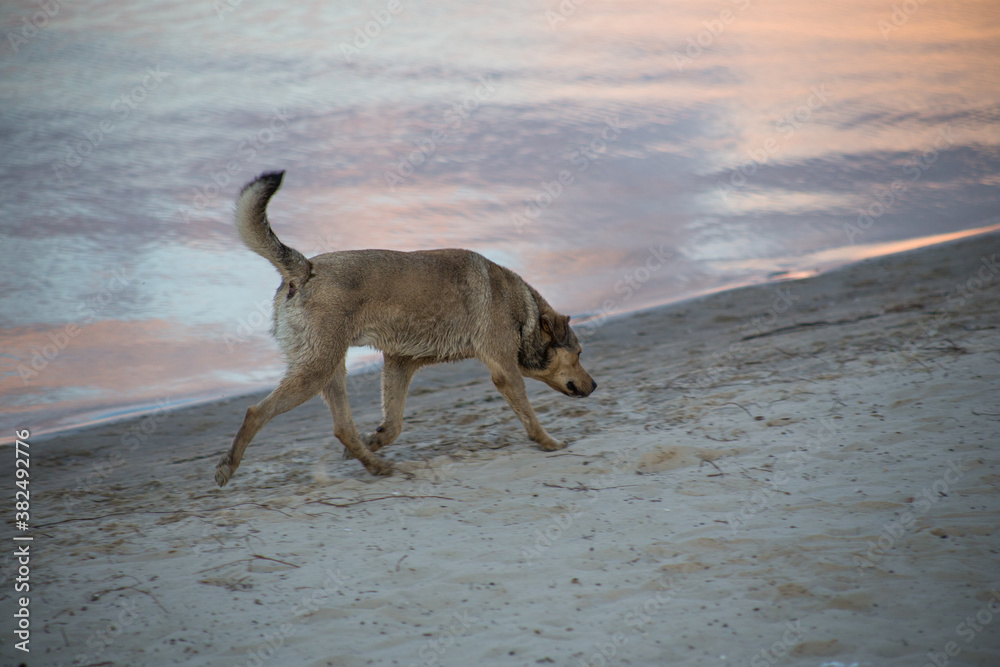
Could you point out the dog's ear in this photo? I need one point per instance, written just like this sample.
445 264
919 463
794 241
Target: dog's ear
556 326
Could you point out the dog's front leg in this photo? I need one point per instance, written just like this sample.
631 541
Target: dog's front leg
335 395
396 375
511 386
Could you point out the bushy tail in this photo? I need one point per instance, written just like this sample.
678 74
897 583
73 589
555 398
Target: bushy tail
255 231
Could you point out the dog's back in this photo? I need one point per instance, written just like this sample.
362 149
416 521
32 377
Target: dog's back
438 305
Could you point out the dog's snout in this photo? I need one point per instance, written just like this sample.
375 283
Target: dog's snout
575 390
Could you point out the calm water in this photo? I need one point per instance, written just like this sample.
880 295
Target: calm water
616 154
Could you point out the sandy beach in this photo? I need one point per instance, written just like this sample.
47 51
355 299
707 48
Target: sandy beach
796 473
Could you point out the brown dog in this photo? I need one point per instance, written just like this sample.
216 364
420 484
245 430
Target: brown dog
418 308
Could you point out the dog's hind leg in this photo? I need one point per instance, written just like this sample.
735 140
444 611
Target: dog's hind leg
335 395
295 389
510 384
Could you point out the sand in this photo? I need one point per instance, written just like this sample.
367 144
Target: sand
796 473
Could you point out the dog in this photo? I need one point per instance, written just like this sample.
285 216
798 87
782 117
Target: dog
417 308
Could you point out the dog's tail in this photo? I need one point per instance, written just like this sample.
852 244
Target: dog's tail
255 231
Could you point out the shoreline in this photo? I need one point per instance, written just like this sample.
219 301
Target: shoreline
820 263
802 471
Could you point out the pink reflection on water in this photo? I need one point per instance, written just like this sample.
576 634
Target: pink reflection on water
114 362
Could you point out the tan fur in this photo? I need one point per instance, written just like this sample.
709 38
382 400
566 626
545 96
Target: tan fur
418 308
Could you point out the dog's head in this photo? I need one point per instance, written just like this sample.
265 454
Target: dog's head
561 369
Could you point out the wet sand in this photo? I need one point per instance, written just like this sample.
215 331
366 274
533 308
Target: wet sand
798 473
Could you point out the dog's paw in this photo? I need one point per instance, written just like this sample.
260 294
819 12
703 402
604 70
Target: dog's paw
553 445
374 442
224 471
380 467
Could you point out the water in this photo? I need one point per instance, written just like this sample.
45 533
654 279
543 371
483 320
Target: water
617 155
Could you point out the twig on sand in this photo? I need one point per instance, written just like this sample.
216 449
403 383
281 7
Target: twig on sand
720 439
96 596
246 560
502 445
400 561
249 502
580 486
324 501
150 594
713 464
809 325
275 560
111 514
184 514
740 407
218 567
